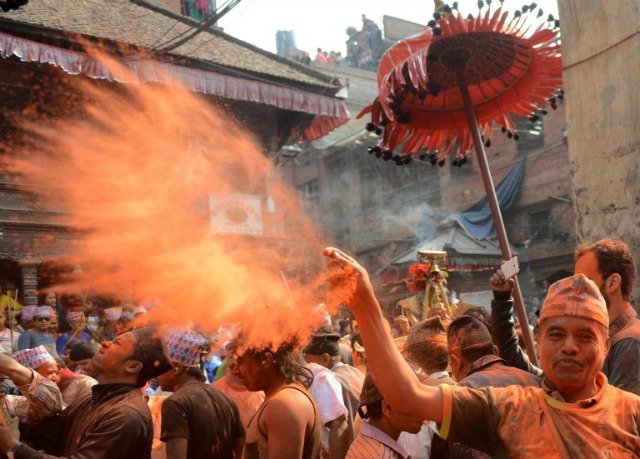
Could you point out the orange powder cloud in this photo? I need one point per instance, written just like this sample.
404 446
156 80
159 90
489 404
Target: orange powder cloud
133 171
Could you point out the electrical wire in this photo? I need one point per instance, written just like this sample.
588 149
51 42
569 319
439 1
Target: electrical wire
199 28
189 29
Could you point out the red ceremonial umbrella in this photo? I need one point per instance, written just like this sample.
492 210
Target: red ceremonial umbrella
442 90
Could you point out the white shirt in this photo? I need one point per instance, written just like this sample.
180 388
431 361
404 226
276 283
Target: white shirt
419 445
5 341
326 390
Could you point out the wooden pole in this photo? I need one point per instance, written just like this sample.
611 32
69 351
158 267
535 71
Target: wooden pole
11 319
495 211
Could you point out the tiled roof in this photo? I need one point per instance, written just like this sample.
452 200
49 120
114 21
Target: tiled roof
136 23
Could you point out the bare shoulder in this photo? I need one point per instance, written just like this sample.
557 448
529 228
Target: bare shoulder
289 405
291 398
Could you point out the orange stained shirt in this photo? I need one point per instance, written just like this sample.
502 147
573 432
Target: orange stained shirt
247 402
510 422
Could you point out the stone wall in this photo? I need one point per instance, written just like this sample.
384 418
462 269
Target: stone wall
601 59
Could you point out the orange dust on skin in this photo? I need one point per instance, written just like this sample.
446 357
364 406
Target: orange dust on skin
132 170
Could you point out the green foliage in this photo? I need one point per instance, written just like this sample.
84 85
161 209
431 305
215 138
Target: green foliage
352 31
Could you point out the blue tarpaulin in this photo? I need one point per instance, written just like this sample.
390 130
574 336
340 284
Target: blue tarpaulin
477 219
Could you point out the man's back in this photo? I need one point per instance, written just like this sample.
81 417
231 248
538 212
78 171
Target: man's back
491 371
351 380
206 417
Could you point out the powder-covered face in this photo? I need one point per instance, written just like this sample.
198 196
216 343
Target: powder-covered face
572 351
112 356
49 370
168 380
250 372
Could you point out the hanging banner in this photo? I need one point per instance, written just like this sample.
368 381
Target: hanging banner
236 213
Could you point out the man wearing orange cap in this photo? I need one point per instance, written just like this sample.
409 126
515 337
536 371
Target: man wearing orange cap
576 413
610 265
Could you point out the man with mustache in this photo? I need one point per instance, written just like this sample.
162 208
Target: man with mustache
608 263
576 413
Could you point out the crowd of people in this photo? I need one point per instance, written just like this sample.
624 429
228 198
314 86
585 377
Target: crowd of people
114 386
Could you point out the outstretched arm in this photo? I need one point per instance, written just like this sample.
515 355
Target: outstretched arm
391 374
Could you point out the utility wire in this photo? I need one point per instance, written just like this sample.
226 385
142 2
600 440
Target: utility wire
204 25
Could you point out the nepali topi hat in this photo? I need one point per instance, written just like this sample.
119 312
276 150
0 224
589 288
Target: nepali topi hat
575 296
185 347
33 358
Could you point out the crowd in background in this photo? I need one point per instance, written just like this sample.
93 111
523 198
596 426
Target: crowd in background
86 380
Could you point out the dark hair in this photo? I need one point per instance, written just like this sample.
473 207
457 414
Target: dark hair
149 349
430 355
374 410
480 313
83 350
473 354
470 337
197 373
286 365
147 372
614 257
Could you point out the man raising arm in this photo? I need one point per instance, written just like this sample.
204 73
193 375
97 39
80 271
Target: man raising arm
392 375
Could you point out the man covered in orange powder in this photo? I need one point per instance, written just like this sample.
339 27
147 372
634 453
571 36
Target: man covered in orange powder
287 424
610 265
576 413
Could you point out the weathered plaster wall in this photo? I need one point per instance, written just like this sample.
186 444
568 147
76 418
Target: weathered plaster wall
601 58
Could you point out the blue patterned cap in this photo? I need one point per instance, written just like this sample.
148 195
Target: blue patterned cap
33 358
185 347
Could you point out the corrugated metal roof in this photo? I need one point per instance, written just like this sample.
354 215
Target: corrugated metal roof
452 238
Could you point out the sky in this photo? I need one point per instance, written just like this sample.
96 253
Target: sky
323 24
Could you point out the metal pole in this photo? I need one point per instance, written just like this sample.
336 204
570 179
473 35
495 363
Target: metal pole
495 211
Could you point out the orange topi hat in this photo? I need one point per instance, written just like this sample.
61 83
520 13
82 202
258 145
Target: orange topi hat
575 296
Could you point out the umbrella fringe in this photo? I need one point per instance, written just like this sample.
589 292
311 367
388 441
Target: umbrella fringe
408 95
